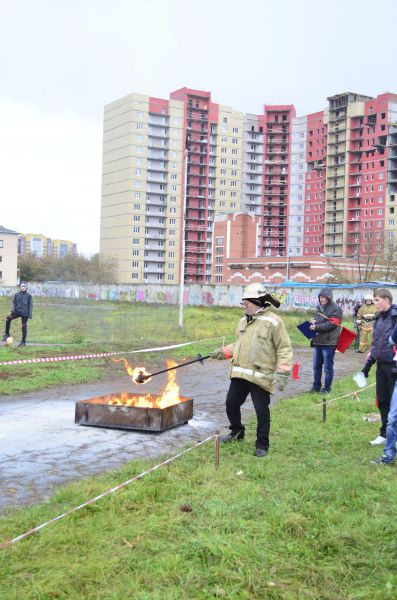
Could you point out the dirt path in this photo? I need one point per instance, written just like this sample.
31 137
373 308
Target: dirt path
41 447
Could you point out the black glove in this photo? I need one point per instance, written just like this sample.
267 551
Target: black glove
367 367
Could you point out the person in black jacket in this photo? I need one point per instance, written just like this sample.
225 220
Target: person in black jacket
326 325
22 307
389 453
382 353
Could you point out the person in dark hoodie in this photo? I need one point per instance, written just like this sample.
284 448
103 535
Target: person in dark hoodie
382 353
22 307
326 325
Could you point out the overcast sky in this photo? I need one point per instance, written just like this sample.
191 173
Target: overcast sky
63 60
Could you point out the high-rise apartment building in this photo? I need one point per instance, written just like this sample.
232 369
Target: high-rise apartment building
319 184
40 245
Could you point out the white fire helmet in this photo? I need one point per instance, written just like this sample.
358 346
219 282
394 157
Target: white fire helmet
368 297
254 291
259 292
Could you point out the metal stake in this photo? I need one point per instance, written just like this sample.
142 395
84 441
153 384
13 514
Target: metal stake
216 449
324 410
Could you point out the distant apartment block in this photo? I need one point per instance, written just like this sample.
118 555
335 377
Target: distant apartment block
322 184
8 257
39 245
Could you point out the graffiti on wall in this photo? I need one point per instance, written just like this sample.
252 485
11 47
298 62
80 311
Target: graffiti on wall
194 295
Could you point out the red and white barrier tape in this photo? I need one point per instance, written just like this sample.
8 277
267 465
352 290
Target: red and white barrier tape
100 496
26 361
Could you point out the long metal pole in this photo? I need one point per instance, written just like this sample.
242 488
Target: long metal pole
183 250
287 269
189 362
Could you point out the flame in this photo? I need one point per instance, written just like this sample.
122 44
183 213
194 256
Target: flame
133 372
169 397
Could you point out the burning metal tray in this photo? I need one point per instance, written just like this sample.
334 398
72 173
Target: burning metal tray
107 411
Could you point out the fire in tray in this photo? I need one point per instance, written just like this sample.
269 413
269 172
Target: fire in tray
169 396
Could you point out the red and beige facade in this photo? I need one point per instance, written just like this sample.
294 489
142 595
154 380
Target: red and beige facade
178 172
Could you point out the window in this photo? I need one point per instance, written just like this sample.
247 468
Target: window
173 187
137 195
136 229
170 277
174 175
172 232
172 221
139 125
135 263
135 253
134 275
135 241
137 218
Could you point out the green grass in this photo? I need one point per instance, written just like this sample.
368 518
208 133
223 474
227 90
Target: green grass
312 520
79 328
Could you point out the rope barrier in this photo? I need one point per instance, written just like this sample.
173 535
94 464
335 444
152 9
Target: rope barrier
49 359
107 493
355 393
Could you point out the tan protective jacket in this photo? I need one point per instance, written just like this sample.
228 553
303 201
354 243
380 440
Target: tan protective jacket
366 314
262 348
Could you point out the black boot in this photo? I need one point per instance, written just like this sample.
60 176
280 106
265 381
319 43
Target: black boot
22 344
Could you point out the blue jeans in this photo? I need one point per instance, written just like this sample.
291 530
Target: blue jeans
323 355
391 429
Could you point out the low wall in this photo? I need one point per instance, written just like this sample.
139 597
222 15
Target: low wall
194 295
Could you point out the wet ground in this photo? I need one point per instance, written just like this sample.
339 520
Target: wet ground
41 447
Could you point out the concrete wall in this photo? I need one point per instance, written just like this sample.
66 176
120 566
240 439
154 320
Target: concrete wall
195 295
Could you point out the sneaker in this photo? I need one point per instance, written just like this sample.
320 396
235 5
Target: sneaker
314 391
325 391
5 337
260 452
22 344
226 439
378 441
383 460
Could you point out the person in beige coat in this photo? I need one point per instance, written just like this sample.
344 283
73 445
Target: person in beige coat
261 360
365 322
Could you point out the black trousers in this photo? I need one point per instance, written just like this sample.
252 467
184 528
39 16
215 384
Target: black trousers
236 396
385 382
24 321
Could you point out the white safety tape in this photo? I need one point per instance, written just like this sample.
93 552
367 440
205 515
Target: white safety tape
26 361
103 495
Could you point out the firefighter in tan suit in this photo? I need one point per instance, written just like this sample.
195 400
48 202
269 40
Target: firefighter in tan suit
365 322
261 359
